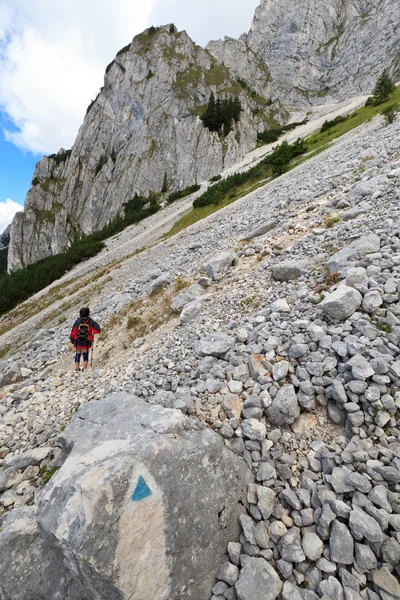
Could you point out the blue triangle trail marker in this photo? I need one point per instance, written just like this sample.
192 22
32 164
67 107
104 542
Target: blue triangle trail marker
142 490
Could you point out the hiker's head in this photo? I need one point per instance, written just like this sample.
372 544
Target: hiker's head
84 313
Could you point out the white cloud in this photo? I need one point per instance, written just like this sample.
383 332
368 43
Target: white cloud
52 61
206 20
53 55
8 208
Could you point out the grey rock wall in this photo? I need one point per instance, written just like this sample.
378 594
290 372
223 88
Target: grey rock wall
315 52
143 125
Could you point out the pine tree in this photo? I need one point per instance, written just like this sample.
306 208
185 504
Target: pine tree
383 88
237 109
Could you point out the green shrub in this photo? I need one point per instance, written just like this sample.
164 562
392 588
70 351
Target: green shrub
216 178
273 165
35 181
150 74
272 135
172 28
124 49
390 113
336 121
60 158
20 285
182 193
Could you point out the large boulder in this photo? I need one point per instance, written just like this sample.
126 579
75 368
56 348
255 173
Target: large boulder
218 266
342 303
214 344
143 507
286 271
368 244
192 293
261 230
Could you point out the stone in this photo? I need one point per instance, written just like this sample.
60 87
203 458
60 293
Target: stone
364 526
191 293
368 244
261 536
304 423
28 458
365 559
312 545
254 429
266 471
118 451
280 370
216 344
158 284
341 303
233 405
280 305
191 311
29 567
288 270
266 501
341 544
217 267
261 230
372 301
289 546
228 573
385 581
355 212
258 581
285 408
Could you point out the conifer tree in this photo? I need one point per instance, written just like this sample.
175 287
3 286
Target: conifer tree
383 88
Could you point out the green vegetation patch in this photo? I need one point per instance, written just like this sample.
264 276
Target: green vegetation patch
272 135
20 285
182 193
61 157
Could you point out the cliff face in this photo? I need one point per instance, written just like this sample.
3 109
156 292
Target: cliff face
317 52
143 126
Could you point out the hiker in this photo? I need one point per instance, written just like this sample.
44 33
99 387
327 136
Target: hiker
82 336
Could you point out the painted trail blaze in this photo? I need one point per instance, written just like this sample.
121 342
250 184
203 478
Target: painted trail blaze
142 490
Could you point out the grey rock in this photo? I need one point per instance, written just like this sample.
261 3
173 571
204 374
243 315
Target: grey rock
290 547
365 558
341 544
331 588
218 267
258 581
342 303
366 245
125 446
191 311
192 293
285 408
228 573
254 429
386 582
157 284
312 545
28 458
216 344
372 301
29 567
261 230
364 526
288 270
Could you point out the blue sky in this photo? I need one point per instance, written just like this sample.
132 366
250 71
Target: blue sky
52 61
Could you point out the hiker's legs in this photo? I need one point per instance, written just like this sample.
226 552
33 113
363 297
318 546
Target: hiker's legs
85 360
77 360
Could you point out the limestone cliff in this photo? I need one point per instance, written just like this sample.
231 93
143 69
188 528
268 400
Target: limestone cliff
315 52
142 128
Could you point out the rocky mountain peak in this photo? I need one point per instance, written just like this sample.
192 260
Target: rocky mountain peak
141 130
